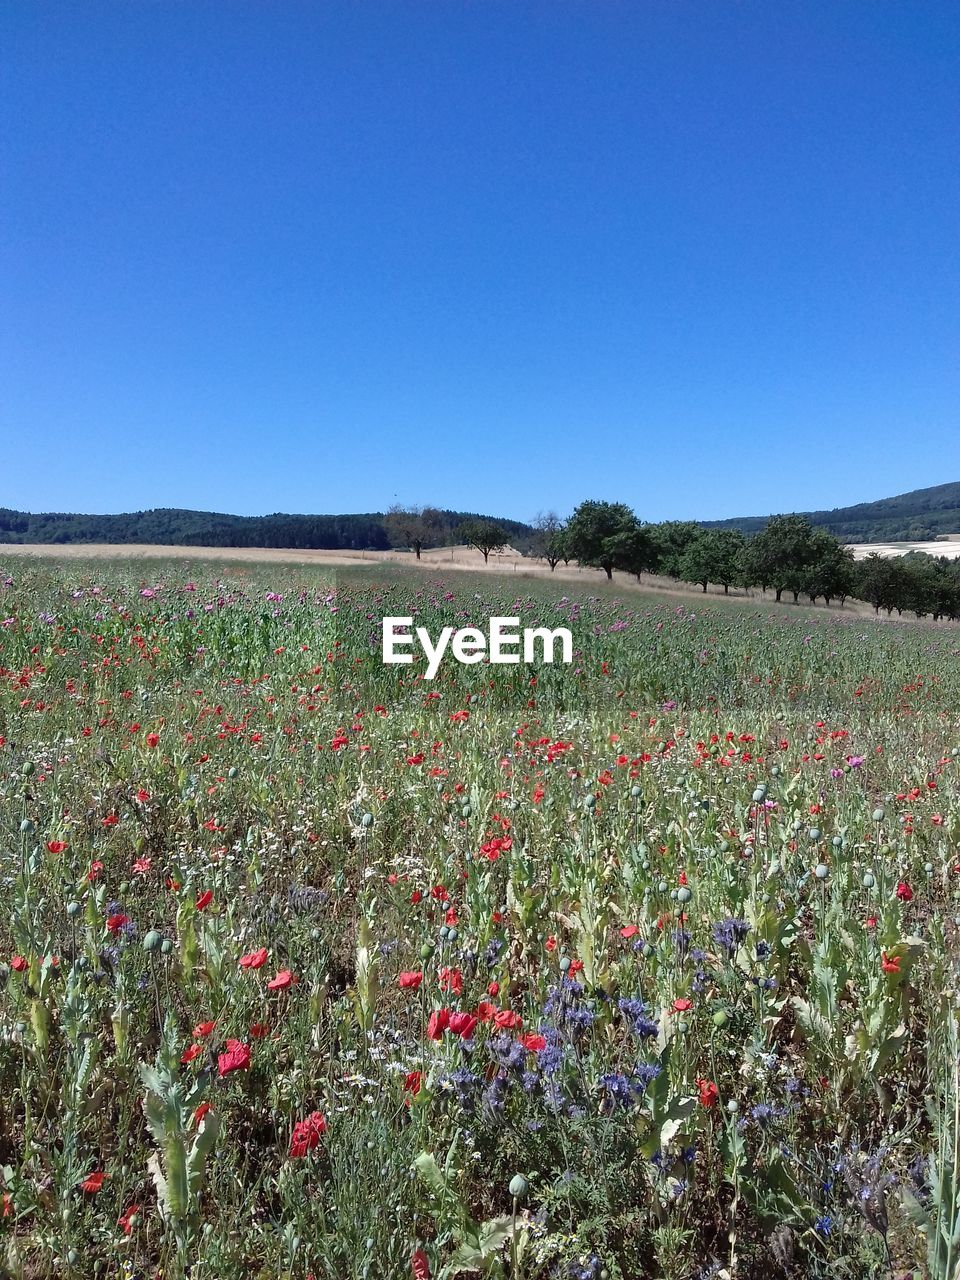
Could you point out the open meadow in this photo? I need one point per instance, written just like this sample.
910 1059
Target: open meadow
644 966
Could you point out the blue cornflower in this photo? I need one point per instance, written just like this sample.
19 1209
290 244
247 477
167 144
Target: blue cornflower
646 1072
619 1091
729 933
509 1054
763 1113
635 1011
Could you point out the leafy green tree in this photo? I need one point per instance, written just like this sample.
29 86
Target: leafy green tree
714 555
782 553
485 535
830 573
881 581
671 538
603 535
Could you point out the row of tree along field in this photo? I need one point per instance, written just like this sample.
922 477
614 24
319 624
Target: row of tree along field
788 555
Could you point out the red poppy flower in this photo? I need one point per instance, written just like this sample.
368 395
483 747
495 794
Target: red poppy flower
258 1030
18 964
141 866
236 1057
507 1020
204 899
152 739
904 892
200 1112
306 1134
463 1024
56 846
412 1082
203 1029
438 1023
629 931
283 980
709 1093
125 1221
682 1005
93 1182
116 922
410 980
533 1042
889 964
254 959
420 1266
188 1055
451 980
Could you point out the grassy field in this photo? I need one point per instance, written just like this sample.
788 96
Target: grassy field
644 966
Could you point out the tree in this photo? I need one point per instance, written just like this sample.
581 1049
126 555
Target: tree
782 553
602 535
671 539
485 535
714 555
880 581
548 538
830 572
414 527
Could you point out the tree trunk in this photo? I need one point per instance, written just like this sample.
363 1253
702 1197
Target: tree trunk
485 556
416 547
704 588
726 588
796 597
608 569
779 594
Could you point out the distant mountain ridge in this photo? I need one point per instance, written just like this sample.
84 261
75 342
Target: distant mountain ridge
919 516
167 526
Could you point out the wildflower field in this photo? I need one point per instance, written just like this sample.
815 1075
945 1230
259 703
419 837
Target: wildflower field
644 966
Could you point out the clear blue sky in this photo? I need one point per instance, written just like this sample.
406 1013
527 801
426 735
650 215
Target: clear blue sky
498 255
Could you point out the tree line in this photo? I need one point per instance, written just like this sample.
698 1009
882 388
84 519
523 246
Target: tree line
788 555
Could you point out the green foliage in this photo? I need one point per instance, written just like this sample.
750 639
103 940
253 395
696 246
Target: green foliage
711 864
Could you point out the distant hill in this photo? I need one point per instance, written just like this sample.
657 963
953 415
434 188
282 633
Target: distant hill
919 516
171 527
